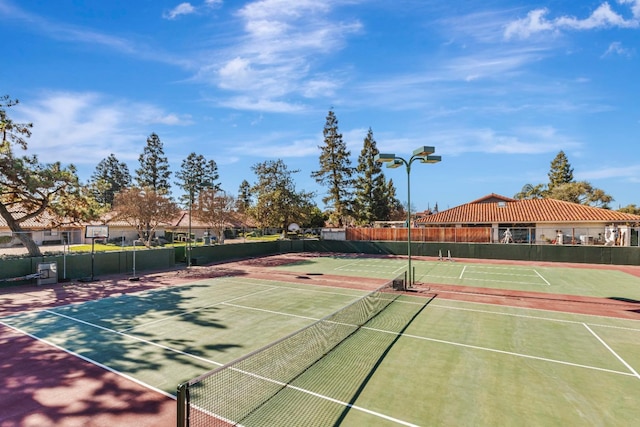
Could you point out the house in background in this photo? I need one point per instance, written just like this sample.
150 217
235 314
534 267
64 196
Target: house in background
179 227
43 231
540 221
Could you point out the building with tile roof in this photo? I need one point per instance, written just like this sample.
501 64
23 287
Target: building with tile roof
43 230
540 221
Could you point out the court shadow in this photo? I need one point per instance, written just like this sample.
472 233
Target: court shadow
42 385
623 299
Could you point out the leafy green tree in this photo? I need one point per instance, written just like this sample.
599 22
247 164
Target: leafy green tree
154 170
335 171
561 171
581 192
278 203
316 218
632 209
370 203
30 189
110 177
531 192
397 212
196 174
145 209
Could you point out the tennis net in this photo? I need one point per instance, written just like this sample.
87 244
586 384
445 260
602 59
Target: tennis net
229 394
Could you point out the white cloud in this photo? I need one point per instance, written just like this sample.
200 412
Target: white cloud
181 9
630 172
616 48
533 23
270 148
283 9
635 6
276 56
603 17
261 104
489 64
84 128
187 8
543 139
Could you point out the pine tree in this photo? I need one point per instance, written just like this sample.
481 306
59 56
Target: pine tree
393 204
369 203
244 196
563 187
561 171
110 177
154 170
196 174
335 171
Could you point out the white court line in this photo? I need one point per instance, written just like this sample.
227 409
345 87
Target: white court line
270 288
492 267
133 337
540 275
613 352
527 309
397 270
304 287
493 273
321 396
503 281
462 272
524 316
510 353
263 310
343 267
184 313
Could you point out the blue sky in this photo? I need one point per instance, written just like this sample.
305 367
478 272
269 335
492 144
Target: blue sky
498 87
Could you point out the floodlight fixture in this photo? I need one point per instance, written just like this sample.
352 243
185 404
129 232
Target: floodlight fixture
396 163
424 151
383 158
431 159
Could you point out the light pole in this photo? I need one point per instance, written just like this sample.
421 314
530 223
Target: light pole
189 236
423 155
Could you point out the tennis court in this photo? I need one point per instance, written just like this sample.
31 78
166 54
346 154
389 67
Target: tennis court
421 360
604 283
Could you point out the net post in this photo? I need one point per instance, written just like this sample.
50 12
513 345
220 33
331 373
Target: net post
182 397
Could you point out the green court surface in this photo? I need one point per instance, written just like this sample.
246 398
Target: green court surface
422 361
606 283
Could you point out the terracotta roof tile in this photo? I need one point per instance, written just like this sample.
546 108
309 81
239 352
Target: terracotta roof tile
525 211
